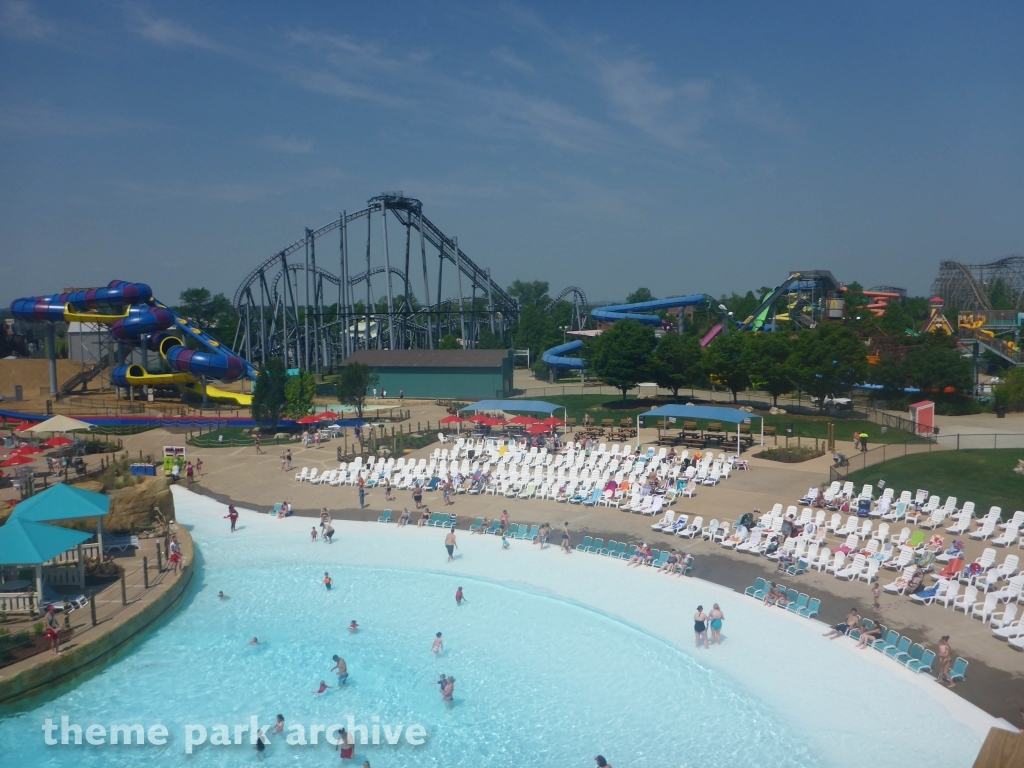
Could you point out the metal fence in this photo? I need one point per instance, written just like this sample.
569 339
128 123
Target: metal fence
959 442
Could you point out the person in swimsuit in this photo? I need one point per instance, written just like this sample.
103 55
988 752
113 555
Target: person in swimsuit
670 563
279 725
387 490
222 596
404 519
601 762
852 622
353 627
346 746
450 545
459 597
869 636
175 560
504 543
448 693
945 662
700 628
327 580
504 520
312 534
321 689
342 669
717 617
423 517
565 538
254 641
232 515
52 629
438 646
261 744
328 533
417 494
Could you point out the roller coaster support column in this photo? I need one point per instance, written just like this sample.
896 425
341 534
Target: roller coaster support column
426 282
490 299
305 344
51 356
387 270
462 313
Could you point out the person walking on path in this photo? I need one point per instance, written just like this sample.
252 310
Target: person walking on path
717 617
199 467
401 396
856 440
52 630
945 662
259 451
876 593
362 493
190 473
417 494
565 538
288 459
863 442
387 490
284 462
450 545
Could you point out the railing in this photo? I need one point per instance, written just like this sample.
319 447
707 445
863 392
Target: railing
71 556
997 345
894 421
61 575
958 442
18 602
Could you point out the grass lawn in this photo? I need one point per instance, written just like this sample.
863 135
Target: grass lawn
981 476
606 407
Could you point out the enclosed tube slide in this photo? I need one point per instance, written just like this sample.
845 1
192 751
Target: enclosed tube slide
557 357
131 312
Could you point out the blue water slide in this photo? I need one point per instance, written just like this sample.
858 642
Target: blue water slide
636 311
555 357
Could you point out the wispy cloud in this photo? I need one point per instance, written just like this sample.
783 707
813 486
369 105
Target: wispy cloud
42 119
506 56
290 146
173 34
19 19
230 192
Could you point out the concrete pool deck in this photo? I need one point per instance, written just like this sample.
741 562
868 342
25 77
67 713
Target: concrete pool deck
117 625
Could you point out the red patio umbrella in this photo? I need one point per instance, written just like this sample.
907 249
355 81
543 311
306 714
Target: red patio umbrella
525 420
538 429
16 461
58 442
27 450
478 418
327 415
451 420
22 425
308 420
490 421
553 421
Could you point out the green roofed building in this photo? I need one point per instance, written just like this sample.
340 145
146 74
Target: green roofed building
470 374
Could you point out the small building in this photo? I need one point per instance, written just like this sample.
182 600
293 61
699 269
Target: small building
470 374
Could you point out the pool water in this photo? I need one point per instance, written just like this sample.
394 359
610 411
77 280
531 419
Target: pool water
541 680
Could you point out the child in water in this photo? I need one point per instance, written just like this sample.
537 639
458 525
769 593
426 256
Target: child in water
312 534
321 689
327 580
438 644
504 543
459 597
353 627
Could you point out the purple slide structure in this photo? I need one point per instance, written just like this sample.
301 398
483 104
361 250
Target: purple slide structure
710 335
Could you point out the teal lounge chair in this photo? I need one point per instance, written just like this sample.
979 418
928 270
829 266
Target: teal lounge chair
597 546
791 595
609 549
891 640
437 519
763 592
855 633
798 568
619 552
475 526
812 608
924 664
386 517
903 646
532 534
959 670
627 555
587 542
594 497
513 530
800 604
662 559
758 586
277 508
916 651
495 527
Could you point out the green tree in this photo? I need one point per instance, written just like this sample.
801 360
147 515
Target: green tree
937 365
725 360
212 313
767 358
449 342
676 362
488 340
828 360
355 381
268 397
640 294
536 330
621 354
891 374
1009 393
530 293
895 320
300 392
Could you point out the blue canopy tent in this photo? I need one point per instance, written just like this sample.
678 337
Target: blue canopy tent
63 502
688 411
26 542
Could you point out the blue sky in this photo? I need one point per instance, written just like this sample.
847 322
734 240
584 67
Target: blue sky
688 149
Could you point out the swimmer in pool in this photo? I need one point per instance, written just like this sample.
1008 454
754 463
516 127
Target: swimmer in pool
342 669
327 580
438 644
222 596
321 689
353 627
254 641
459 597
442 681
312 533
279 725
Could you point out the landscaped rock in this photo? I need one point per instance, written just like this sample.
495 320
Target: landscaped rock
133 507
1019 469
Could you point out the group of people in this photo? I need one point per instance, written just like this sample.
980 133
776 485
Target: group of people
192 471
702 622
310 438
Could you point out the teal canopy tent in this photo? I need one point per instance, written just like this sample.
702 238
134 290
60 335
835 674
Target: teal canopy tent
730 415
26 542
